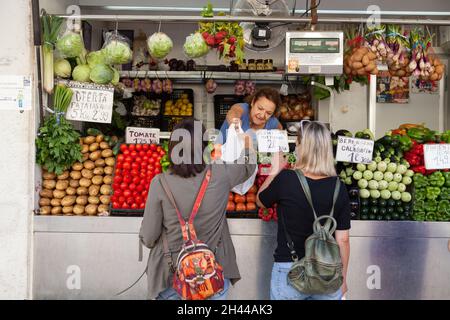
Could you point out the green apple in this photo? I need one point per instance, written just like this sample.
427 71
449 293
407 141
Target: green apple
406 197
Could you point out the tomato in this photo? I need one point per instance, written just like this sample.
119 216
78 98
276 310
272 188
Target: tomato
117 179
116 205
158 149
240 207
134 173
162 153
250 206
130 200
126 153
143 174
138 147
126 165
231 196
159 158
145 147
127 193
133 154
128 159
155 155
120 158
250 197
158 165
127 179
150 167
118 172
119 165
138 159
138 199
135 194
123 186
131 147
239 199
140 188
231 206
134 206
142 205
157 171
142 154
121 199
117 193
145 194
145 158
116 186
253 189
135 166
125 206
153 147
136 180
132 186
151 160
123 147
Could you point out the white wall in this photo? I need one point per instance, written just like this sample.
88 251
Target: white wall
16 162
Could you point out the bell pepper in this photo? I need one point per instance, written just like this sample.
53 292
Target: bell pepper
431 216
433 193
445 193
420 194
421 135
419 206
444 206
420 181
405 143
430 205
447 178
419 216
436 179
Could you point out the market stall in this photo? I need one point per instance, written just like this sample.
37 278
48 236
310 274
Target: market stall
111 103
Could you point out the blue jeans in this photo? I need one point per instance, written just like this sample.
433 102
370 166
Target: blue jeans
171 294
281 290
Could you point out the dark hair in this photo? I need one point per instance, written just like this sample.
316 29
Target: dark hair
268 93
191 168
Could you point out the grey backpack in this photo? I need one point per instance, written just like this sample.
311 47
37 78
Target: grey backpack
320 271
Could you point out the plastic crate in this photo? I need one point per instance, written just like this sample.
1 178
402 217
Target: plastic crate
126 212
146 121
243 214
222 104
169 121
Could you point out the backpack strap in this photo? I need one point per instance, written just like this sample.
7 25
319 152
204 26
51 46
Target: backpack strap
290 242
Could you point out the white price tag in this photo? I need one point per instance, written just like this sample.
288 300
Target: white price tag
272 141
141 135
354 150
90 102
437 156
15 92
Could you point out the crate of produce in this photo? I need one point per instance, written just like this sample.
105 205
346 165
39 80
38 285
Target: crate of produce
242 206
146 122
177 106
145 111
223 103
293 109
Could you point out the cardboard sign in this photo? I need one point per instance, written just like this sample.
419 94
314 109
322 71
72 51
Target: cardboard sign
90 102
437 156
141 135
354 150
272 141
15 92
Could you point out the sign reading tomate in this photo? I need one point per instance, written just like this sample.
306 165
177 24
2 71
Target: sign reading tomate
90 102
141 135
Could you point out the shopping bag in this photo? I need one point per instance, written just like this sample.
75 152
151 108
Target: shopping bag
245 186
234 146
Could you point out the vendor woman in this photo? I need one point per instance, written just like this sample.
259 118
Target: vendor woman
259 113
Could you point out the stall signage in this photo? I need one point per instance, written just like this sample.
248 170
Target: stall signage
15 92
437 156
354 150
272 141
90 102
142 135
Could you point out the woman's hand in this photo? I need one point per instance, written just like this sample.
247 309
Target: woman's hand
236 122
344 288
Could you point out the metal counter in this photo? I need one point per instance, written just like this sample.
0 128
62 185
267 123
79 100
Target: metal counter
96 257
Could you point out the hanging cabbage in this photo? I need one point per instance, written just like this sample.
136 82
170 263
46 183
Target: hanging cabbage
195 46
159 45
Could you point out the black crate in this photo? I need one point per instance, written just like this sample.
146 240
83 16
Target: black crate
243 214
126 213
146 121
169 121
223 103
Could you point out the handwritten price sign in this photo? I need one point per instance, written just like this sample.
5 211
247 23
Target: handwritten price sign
354 150
272 141
437 156
141 135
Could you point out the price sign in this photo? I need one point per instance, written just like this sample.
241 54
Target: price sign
272 141
354 150
15 92
141 135
437 156
90 102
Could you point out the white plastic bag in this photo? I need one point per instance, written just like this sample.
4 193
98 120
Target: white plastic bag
233 147
245 186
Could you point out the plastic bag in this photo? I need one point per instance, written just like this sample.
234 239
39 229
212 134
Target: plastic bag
116 48
70 44
245 186
195 46
159 45
233 147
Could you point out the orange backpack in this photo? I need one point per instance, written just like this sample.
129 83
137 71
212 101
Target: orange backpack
197 275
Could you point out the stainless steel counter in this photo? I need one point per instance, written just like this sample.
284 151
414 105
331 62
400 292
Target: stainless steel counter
96 257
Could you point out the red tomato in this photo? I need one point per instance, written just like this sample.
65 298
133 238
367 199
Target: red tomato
142 153
145 158
138 199
133 154
138 159
118 172
117 193
145 194
142 205
151 160
128 159
143 174
116 205
138 147
155 155
250 197
121 199
158 149
146 182
134 206
231 206
134 173
123 186
127 179
127 193
136 180
162 153
130 200
158 165
145 147
131 147
140 188
119 165
153 147
125 206
117 179
150 167
159 158
126 153
120 158
116 186
132 186
135 166
157 171
114 197
123 147
231 197
126 166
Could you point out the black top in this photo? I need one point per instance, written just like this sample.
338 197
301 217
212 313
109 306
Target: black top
286 191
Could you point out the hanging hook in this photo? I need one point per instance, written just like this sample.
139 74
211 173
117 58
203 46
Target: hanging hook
117 25
159 27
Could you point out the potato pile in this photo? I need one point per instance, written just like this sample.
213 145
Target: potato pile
86 189
360 62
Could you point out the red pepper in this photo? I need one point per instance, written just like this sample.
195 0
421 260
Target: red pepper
419 169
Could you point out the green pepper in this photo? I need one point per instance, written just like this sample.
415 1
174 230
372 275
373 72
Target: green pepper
430 205
419 216
446 136
444 206
405 143
431 216
433 193
420 181
436 179
419 206
447 178
420 193
445 193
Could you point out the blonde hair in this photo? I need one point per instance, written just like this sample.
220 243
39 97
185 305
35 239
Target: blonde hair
315 150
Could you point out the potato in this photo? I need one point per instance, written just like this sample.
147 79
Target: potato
371 55
109 170
82 200
365 60
103 208
78 210
55 202
84 148
59 194
82 191
99 138
97 180
86 173
67 210
357 58
94 147
84 182
43 202
64 175
362 51
95 155
70 191
85 157
62 185
49 184
107 153
361 72
89 139
100 163
99 171
105 190
74 183
370 67
94 190
46 193
68 201
44 211
104 145
93 200
77 166
108 180
439 69
401 73
105 199
347 70
110 161
75 175
374 71
89 165
357 65
48 176
91 209
56 210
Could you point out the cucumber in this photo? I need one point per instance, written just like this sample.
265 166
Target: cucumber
93 132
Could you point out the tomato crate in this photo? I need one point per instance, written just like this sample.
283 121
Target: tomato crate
243 214
222 104
126 212
175 107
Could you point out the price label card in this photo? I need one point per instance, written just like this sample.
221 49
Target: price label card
437 156
354 150
272 141
15 92
90 102
141 135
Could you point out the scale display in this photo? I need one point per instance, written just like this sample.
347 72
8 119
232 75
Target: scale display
314 45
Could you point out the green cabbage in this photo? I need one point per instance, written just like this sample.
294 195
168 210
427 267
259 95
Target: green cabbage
159 45
96 57
195 46
101 74
70 45
62 68
81 73
118 52
116 77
